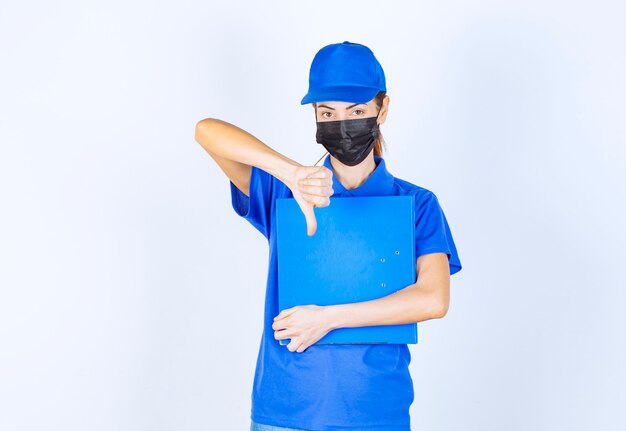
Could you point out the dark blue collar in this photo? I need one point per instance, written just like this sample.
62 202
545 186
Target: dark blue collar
379 183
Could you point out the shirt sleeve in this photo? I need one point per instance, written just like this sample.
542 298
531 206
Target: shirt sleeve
257 208
432 233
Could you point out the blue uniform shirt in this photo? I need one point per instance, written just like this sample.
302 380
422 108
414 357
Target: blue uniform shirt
342 386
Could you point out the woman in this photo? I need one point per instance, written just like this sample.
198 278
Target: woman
308 386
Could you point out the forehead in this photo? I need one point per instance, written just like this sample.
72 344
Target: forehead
340 105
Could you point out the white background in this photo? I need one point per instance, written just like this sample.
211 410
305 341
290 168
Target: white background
131 292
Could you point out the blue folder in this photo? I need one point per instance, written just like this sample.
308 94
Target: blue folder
363 249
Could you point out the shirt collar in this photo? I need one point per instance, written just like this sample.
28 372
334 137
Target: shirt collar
379 183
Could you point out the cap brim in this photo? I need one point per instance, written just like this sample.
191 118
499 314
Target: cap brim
341 94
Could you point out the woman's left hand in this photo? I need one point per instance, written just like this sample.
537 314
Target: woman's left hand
303 324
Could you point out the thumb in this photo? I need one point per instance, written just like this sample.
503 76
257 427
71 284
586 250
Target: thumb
309 215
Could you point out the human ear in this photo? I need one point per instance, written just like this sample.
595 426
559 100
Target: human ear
384 109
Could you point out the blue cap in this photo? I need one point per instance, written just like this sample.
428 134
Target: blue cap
344 72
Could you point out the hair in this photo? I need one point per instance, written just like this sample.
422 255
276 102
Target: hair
380 142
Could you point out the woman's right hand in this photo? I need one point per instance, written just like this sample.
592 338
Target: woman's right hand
236 150
312 187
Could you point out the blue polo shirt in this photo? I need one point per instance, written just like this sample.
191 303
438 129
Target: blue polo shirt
341 386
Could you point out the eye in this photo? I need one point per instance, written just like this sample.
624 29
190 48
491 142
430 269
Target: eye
326 116
358 110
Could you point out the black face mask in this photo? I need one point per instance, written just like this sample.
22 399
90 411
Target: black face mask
349 141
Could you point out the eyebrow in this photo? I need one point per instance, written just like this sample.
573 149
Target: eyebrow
348 107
